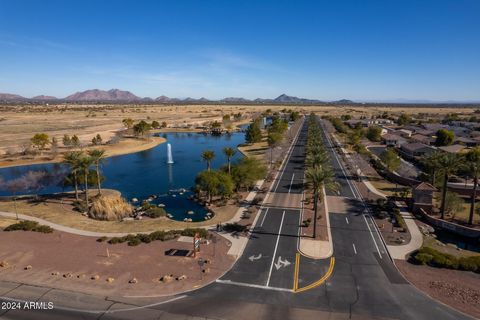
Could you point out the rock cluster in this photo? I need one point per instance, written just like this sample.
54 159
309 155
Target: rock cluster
463 295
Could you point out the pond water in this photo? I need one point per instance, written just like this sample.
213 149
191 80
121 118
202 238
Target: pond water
142 174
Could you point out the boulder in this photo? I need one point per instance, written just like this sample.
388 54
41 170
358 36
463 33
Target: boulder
3 264
133 280
166 278
29 267
110 279
182 277
95 277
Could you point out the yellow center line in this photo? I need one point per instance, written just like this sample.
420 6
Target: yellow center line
314 284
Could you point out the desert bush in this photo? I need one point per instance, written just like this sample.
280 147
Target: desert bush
29 226
102 239
190 232
111 207
134 242
80 206
156 212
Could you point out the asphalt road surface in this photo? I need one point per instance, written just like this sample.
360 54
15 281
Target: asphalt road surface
364 284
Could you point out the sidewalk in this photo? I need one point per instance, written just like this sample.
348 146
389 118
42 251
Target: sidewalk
416 241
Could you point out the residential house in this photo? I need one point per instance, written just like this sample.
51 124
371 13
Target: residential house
393 140
454 148
428 140
415 150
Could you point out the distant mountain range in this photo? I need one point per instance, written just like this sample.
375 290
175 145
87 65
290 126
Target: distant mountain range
116 95
119 96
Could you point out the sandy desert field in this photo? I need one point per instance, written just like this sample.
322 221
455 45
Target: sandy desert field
19 123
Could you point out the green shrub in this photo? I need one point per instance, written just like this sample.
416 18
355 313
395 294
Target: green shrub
114 240
29 226
469 264
145 238
102 239
399 219
156 212
423 258
134 242
439 259
190 232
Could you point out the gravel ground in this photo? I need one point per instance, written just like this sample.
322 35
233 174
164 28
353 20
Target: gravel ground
67 261
458 289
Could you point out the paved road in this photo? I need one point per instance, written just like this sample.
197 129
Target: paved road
364 285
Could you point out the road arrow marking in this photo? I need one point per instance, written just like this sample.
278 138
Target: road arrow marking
253 258
281 263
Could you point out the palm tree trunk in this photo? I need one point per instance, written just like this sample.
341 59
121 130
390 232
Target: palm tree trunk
208 166
86 187
315 208
75 182
98 179
229 167
444 196
472 201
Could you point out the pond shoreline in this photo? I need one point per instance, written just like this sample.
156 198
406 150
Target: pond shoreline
123 147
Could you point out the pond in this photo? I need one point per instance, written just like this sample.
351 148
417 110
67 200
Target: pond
146 173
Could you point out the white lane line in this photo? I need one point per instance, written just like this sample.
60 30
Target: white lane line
264 216
373 238
242 284
354 249
290 151
291 182
275 250
357 195
346 219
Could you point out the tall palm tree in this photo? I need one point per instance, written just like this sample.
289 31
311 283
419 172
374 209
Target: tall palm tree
318 178
85 164
473 163
208 156
229 153
449 163
72 159
97 157
433 165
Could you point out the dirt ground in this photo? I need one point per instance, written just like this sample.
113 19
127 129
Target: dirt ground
20 122
458 289
76 259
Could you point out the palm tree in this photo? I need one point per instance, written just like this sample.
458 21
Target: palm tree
208 156
449 163
229 153
473 164
432 163
72 159
317 158
317 179
97 157
85 163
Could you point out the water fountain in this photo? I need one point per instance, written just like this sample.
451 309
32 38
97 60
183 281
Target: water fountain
169 153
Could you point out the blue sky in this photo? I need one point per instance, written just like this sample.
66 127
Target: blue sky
361 50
